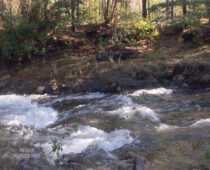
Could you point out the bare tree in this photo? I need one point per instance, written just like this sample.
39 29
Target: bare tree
109 8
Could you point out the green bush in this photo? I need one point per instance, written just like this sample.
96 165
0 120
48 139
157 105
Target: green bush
24 34
135 31
21 40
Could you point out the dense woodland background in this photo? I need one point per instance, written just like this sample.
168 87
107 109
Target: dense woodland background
30 29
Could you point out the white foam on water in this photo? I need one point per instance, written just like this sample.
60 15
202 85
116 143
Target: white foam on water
20 110
128 112
129 109
201 123
157 92
87 136
79 96
164 127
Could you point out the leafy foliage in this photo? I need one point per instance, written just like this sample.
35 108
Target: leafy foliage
135 31
24 35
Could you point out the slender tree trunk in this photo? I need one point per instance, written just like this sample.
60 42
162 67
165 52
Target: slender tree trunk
73 16
113 10
184 7
144 8
2 5
172 10
207 4
167 9
107 16
148 8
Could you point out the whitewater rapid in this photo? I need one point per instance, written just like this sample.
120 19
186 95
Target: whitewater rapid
37 112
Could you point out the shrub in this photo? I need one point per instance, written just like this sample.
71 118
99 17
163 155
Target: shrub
21 41
141 30
25 33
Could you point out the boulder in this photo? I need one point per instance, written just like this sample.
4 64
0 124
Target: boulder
116 55
119 89
185 85
54 87
40 89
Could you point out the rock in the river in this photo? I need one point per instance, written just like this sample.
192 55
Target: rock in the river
4 81
40 89
118 89
54 87
185 85
141 163
116 55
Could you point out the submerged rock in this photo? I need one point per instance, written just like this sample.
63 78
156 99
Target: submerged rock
119 89
40 89
185 85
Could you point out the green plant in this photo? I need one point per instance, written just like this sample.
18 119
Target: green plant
25 33
135 31
57 148
22 41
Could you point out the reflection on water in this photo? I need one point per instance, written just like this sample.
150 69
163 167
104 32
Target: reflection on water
166 126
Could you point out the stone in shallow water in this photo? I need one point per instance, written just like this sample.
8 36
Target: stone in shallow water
54 87
40 89
185 85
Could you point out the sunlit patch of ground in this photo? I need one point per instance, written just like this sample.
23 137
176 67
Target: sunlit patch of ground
71 67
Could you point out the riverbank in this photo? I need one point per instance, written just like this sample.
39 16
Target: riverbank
168 62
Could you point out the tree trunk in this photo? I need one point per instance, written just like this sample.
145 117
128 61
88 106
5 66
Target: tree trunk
184 8
2 5
207 4
144 8
172 10
148 8
167 9
113 10
73 16
109 17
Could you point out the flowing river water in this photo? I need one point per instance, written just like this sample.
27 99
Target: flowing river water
168 127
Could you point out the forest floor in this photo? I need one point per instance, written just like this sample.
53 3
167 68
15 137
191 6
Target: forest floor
167 62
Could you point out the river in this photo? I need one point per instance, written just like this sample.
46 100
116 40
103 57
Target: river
168 127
